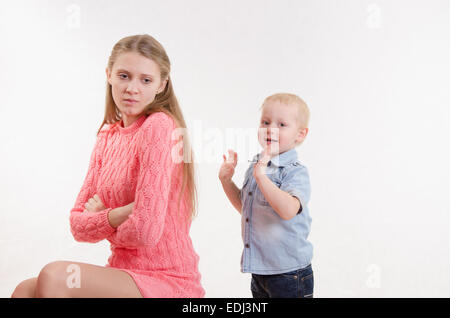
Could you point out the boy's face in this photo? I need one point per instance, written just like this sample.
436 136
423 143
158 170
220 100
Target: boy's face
279 130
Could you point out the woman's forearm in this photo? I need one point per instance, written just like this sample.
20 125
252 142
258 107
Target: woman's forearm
117 216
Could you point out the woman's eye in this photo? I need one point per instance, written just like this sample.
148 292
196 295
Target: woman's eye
120 75
148 80
282 125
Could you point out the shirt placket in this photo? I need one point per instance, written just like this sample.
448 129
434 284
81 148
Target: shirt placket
248 226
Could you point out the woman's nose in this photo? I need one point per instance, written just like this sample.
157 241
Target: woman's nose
132 87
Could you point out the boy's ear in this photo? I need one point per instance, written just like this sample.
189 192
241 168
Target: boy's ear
302 133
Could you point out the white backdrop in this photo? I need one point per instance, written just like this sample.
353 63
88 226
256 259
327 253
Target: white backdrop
375 75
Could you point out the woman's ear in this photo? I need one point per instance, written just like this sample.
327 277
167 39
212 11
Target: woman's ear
108 77
162 87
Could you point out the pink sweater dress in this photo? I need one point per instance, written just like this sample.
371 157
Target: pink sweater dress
135 164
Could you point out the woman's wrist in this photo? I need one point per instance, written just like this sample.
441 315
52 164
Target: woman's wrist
117 216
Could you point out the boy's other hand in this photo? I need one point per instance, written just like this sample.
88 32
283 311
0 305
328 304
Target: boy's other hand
260 167
226 171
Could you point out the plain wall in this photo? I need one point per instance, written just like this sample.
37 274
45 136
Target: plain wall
375 75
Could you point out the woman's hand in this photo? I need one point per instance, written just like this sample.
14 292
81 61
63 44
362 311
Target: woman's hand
94 204
226 171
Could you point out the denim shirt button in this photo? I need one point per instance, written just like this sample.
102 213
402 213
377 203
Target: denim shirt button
250 193
246 245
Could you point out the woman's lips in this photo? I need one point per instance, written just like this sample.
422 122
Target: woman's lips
130 101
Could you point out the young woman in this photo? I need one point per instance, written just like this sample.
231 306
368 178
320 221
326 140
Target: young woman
137 193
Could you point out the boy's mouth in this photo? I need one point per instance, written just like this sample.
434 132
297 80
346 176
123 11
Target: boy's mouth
271 140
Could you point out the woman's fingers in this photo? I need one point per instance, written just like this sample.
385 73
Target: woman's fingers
97 198
94 204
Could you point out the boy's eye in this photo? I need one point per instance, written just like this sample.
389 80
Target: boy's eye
282 125
265 122
149 80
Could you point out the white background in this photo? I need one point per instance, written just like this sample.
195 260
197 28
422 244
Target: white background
375 75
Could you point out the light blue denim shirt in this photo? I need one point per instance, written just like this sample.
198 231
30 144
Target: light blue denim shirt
273 245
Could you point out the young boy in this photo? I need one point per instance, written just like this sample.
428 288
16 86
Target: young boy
273 203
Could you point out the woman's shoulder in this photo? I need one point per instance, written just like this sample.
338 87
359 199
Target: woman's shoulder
105 130
159 120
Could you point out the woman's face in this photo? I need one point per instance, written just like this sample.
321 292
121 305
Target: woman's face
135 81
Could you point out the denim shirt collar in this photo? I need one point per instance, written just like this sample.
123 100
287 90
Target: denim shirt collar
282 159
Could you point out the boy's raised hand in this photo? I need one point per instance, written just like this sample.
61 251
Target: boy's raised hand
260 167
226 171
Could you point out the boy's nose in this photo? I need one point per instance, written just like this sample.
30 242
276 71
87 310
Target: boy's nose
273 132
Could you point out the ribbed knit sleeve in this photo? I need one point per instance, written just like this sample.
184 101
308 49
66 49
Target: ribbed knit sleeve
145 224
90 226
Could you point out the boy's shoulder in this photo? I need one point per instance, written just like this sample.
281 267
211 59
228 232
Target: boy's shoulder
295 168
295 165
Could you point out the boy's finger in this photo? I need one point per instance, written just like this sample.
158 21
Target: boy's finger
230 156
265 156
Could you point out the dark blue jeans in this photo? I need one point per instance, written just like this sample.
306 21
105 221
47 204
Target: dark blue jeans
295 284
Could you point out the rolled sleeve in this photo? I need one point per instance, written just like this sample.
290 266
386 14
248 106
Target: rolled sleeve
296 183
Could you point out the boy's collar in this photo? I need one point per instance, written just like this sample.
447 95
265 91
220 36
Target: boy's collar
282 159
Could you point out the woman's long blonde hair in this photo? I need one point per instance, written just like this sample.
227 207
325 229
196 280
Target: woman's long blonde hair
165 101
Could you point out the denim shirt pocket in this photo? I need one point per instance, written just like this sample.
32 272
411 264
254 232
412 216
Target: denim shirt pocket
260 196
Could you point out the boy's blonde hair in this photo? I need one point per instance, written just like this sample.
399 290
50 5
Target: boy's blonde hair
292 99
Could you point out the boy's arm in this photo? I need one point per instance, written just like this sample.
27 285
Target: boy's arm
233 193
282 202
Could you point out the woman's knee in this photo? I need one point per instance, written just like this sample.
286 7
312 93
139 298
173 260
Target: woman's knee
51 281
25 289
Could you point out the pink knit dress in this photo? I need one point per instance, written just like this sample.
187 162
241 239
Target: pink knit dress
153 245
